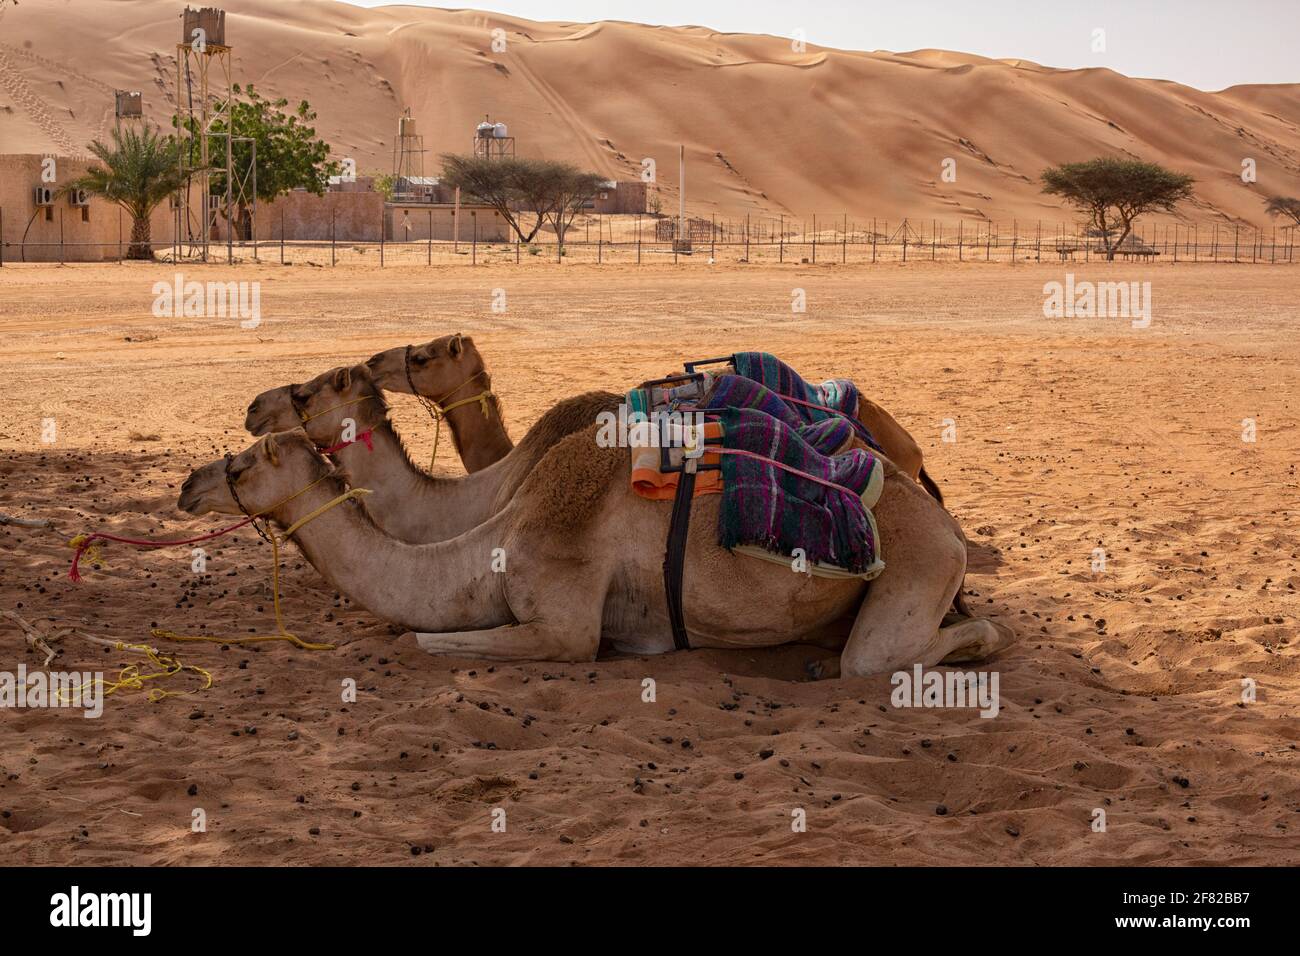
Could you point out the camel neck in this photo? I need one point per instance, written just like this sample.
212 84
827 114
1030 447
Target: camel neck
481 436
444 586
408 503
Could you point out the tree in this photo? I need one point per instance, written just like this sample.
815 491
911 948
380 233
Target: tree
1284 206
139 170
570 190
508 185
289 156
1114 192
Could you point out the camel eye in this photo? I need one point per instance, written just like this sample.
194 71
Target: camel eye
420 359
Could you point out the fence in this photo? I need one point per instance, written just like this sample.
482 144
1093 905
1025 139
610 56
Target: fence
639 240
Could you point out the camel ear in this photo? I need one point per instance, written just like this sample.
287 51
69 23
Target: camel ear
272 452
342 379
457 345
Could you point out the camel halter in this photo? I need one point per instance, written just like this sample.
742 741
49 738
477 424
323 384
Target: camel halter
168 665
437 411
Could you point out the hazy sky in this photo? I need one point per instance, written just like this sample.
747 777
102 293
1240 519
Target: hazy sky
1208 44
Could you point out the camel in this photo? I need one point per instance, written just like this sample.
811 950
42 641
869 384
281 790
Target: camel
405 501
574 558
450 373
449 366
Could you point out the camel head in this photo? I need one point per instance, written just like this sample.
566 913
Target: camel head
322 405
271 411
263 474
437 368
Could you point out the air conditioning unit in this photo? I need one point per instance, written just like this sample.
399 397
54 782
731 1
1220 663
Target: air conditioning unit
44 196
78 197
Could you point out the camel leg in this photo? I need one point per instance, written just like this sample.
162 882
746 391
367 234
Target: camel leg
900 622
531 641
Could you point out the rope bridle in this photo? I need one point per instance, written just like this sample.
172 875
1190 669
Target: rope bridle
435 407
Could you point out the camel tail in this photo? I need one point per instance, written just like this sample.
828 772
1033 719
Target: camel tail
929 485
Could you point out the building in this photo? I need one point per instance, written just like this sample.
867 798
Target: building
626 197
54 228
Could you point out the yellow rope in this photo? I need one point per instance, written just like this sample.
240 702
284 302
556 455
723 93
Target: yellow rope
130 678
304 418
281 634
440 412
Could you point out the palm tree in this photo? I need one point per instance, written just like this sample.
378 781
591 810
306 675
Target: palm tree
140 169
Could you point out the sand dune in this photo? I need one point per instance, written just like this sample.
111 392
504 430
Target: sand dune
768 130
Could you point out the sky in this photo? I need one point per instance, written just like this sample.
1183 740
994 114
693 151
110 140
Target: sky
1208 44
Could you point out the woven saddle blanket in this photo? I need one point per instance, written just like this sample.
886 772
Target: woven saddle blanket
792 476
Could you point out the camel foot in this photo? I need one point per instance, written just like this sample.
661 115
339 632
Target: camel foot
977 639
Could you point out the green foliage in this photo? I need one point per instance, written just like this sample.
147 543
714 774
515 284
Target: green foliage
1113 192
546 189
137 171
385 184
1284 206
289 156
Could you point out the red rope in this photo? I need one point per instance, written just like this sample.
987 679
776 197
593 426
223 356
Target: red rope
75 574
364 438
711 449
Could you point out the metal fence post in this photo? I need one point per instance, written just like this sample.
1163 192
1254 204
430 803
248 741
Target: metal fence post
333 238
382 213
428 256
61 253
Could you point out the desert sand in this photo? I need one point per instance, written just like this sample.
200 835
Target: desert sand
768 130
1124 692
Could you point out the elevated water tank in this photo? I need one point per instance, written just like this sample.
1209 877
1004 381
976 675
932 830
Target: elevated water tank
484 130
499 130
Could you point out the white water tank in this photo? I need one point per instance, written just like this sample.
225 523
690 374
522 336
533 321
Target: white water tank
484 130
499 130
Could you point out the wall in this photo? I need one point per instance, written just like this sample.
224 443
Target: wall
438 216
20 174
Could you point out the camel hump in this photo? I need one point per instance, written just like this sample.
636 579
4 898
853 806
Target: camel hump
564 491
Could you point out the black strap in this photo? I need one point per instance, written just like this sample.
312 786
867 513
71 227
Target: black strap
675 556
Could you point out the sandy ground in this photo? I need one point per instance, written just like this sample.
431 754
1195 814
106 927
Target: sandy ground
1124 692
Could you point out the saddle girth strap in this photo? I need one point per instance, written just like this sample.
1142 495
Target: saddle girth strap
675 556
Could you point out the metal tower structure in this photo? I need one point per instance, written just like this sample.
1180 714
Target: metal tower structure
408 159
204 93
491 140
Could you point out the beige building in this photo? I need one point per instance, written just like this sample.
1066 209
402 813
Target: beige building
60 231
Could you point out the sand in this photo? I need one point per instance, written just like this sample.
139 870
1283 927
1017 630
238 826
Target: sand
1123 694
769 130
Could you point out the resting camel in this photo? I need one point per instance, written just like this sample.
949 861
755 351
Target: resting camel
447 371
406 501
583 563
451 368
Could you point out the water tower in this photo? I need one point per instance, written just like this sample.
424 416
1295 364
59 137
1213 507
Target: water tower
204 92
408 159
492 140
129 106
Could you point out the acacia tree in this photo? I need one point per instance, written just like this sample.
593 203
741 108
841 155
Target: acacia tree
139 170
1113 192
289 156
1284 206
571 190
510 186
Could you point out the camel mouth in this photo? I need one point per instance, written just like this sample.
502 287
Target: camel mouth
257 426
386 370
